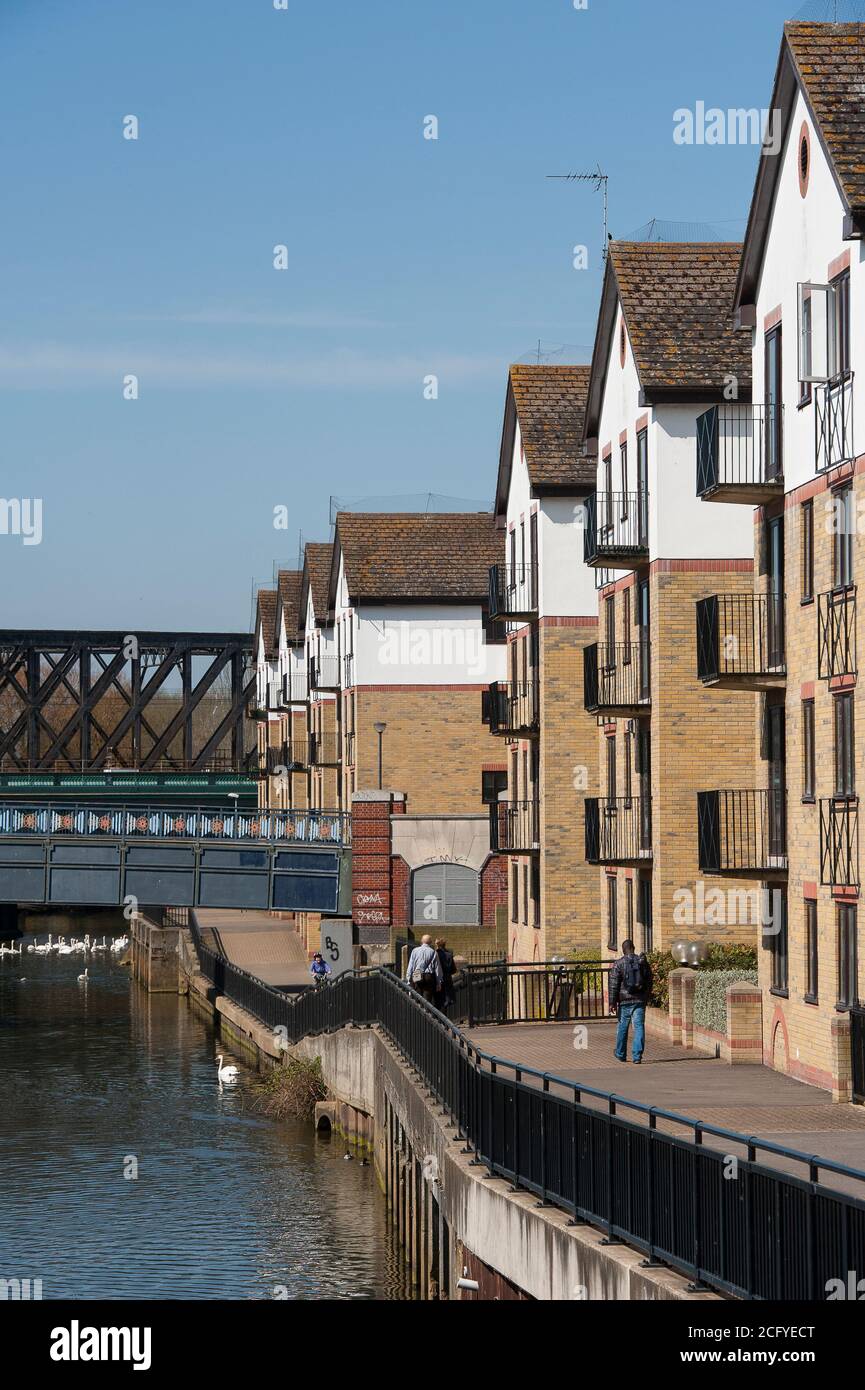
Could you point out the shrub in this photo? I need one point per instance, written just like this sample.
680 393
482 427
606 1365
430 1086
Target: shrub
710 996
741 959
291 1089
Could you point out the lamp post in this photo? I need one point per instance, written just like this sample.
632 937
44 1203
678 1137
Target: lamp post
379 728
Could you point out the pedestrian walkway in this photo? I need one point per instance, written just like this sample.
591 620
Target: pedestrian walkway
256 942
749 1100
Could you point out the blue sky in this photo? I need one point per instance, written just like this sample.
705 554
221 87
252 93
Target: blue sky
406 257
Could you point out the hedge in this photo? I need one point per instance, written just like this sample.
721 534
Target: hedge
710 996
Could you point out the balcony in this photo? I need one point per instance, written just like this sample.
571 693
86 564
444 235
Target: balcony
839 843
616 679
836 634
740 641
324 750
616 534
324 673
740 453
513 593
348 671
514 827
295 686
514 708
743 832
618 830
833 424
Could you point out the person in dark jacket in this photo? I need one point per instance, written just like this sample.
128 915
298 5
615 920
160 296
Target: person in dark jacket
445 994
630 990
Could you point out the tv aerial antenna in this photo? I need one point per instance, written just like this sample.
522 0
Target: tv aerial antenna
599 181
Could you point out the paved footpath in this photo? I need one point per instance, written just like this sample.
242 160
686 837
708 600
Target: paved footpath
749 1100
257 942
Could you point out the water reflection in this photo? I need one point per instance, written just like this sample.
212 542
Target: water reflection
98 1078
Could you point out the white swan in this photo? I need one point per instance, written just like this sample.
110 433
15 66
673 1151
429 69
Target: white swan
82 979
226 1073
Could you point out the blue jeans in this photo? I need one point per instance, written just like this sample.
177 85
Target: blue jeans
628 1014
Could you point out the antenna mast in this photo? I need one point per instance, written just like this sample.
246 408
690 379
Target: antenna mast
599 181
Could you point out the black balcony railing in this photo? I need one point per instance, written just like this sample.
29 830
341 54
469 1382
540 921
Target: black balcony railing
348 671
740 453
618 830
513 592
324 672
833 423
616 678
324 750
661 1187
839 842
741 640
616 531
514 827
514 708
742 831
295 686
836 634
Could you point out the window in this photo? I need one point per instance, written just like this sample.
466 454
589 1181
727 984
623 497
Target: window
492 784
623 460
645 911
839 326
848 987
610 629
612 923
807 534
824 331
845 766
808 751
805 361
445 894
778 941
643 487
811 960
629 908
843 523
536 891
611 767
525 895
626 627
629 739
515 893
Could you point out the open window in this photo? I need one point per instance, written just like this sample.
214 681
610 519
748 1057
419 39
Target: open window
824 319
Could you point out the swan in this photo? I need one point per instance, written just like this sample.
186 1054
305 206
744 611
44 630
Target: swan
64 950
226 1073
82 979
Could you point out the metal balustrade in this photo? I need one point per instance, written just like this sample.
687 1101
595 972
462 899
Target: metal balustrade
175 823
514 708
324 672
650 1177
741 641
833 424
616 533
836 634
513 592
618 829
742 831
616 679
514 827
839 842
740 453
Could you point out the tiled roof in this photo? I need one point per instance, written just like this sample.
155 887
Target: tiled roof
318 555
551 408
830 61
433 555
288 589
677 299
266 616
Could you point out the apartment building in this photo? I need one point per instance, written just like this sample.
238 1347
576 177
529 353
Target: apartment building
264 708
413 650
665 351
793 462
543 598
289 778
323 679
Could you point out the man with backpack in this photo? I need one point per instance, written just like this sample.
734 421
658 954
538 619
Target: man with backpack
630 990
424 971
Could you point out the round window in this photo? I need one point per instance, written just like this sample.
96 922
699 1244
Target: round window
804 159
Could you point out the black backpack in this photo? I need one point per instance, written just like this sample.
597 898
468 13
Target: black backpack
632 973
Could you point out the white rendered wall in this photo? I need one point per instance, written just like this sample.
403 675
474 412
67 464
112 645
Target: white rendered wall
415 644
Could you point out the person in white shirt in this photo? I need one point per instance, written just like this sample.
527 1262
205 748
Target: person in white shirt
424 972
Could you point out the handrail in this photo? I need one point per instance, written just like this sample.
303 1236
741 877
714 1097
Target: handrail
175 822
473 1085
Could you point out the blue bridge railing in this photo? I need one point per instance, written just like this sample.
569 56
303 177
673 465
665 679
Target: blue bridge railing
176 823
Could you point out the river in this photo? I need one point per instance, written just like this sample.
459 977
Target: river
100 1080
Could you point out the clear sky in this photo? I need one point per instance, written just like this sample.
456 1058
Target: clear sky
261 388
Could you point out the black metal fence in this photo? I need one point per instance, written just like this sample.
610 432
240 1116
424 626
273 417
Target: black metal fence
616 527
833 423
740 635
839 842
618 829
739 446
836 634
548 992
857 1039
513 591
514 707
616 676
643 1175
514 827
740 831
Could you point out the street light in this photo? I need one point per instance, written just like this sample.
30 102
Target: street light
379 728
232 796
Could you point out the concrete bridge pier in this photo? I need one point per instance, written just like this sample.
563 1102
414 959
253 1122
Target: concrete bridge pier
9 926
155 956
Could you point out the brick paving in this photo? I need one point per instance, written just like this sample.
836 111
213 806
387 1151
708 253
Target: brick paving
258 943
749 1100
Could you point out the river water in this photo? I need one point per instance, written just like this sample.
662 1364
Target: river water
98 1078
